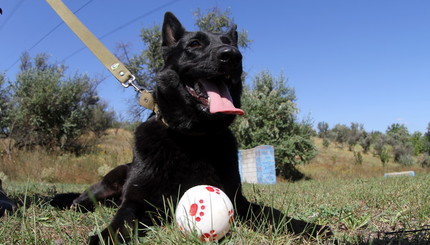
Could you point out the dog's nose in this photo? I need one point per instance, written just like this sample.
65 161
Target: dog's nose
229 55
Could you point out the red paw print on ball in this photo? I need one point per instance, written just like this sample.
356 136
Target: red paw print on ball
231 215
213 189
197 210
209 237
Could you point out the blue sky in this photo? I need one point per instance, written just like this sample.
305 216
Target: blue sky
364 61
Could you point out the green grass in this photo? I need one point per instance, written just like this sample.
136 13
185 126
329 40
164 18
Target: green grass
358 203
359 212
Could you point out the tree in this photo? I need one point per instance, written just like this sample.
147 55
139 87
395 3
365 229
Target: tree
217 21
384 155
48 109
418 143
4 107
323 129
381 147
100 119
271 119
426 140
399 139
340 134
145 65
365 142
355 134
398 132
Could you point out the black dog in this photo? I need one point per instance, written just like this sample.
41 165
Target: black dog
188 142
6 205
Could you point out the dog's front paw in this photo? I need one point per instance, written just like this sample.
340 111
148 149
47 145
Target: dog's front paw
64 200
94 240
106 237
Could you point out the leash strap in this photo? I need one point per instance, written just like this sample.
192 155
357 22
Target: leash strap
114 66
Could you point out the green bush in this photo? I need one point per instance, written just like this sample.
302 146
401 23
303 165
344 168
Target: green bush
323 129
271 119
406 159
425 162
4 107
326 142
51 110
384 155
358 158
365 142
402 151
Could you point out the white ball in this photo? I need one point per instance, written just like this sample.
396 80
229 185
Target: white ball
205 210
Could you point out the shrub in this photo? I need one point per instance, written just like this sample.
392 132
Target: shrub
4 107
401 151
271 119
425 162
340 134
365 143
323 129
50 110
406 159
358 158
326 142
384 155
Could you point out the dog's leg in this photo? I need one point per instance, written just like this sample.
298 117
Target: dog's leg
5 203
110 187
64 200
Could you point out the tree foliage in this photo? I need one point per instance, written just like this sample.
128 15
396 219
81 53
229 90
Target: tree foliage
399 139
397 143
4 104
323 128
217 21
145 65
426 141
271 118
48 109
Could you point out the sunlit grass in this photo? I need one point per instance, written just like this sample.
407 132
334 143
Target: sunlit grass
115 148
357 210
356 201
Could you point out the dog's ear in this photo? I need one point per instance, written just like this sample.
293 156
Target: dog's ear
172 30
232 33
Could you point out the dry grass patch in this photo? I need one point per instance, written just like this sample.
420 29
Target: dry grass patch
334 162
115 148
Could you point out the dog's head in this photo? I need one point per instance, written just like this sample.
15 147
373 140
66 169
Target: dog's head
200 85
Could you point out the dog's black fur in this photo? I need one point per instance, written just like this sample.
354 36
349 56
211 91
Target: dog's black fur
6 204
184 145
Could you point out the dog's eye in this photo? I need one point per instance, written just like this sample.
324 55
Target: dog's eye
194 44
225 40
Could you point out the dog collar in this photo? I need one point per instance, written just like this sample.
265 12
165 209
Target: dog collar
147 100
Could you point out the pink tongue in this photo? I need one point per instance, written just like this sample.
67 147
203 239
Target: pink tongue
220 99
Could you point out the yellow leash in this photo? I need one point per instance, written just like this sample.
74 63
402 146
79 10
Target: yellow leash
114 66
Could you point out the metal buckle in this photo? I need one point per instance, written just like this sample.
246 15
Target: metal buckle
130 81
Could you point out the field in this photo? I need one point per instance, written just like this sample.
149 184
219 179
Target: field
359 204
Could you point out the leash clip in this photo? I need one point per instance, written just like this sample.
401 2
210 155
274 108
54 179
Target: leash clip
130 82
146 98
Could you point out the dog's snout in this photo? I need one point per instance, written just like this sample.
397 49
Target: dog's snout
229 55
